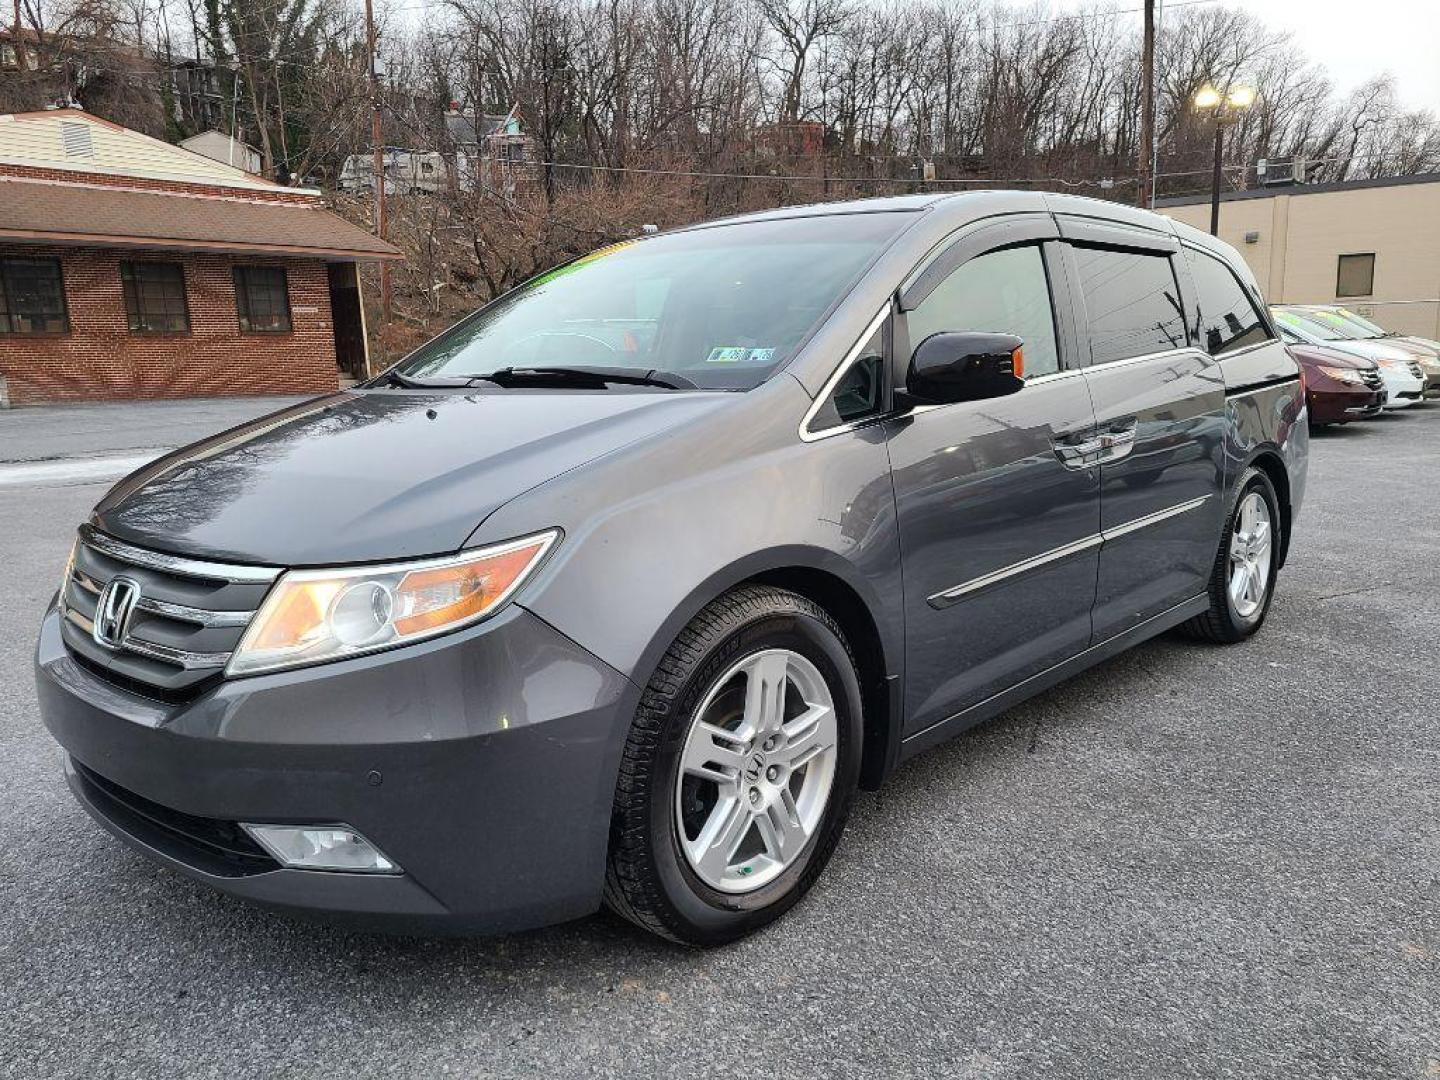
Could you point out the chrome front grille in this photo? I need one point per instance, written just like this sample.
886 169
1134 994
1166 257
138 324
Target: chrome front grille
178 623
1372 377
1416 369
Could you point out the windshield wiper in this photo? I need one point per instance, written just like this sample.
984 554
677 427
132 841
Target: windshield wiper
395 378
596 378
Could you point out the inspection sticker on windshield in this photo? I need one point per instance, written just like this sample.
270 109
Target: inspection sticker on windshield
738 354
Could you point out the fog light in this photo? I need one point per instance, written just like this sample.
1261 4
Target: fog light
315 847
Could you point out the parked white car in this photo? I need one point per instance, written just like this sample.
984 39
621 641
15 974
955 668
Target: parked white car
1404 377
1344 320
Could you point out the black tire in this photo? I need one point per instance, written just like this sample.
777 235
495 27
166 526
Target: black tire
1221 623
648 879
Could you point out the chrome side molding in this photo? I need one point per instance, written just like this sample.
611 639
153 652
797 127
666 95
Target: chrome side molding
953 595
950 596
1155 518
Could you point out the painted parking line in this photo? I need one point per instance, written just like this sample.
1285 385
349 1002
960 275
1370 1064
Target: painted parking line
74 470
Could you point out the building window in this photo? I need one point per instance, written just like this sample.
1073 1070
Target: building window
155 297
32 297
1356 275
262 297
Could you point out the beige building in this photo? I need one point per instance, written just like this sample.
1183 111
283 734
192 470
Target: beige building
1371 245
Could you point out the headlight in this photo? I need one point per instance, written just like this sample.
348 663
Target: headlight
1385 361
315 615
1350 375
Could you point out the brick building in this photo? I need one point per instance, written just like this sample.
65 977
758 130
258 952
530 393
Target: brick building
133 268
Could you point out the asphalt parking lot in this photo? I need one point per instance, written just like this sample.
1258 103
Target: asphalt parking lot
1189 862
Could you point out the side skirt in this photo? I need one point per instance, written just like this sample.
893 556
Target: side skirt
998 703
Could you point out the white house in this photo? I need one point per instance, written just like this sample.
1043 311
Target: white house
217 146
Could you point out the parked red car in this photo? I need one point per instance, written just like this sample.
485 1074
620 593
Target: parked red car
1339 386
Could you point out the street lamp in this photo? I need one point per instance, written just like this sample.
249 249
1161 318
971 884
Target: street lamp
1223 107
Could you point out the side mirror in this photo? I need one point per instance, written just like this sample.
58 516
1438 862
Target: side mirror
965 367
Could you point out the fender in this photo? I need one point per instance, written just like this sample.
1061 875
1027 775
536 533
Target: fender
766 563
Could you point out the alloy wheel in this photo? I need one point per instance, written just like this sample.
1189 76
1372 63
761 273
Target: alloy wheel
756 770
1250 551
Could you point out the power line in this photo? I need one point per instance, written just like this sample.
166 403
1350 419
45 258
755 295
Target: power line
801 178
980 22
1308 161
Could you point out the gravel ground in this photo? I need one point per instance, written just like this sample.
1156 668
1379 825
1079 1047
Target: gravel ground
1189 862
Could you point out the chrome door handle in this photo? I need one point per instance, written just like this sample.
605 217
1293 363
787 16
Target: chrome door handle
1115 445
1118 439
1080 455
1107 446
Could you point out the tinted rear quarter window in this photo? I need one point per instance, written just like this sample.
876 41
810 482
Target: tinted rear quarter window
1132 302
1228 318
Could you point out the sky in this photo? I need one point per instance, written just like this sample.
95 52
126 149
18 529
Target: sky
1356 41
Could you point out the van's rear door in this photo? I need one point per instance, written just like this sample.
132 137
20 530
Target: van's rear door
1160 413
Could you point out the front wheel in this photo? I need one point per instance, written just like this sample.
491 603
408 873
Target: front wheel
739 769
1242 583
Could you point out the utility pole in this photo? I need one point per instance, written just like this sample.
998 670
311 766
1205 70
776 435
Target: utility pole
21 60
379 166
1215 175
1145 175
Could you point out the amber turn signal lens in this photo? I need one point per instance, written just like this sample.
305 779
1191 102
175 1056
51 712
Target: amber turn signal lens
1017 360
426 599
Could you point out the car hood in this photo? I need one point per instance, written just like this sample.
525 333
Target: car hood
1429 345
1323 355
1414 346
371 475
1372 348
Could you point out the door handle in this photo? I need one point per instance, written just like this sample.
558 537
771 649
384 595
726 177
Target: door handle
1081 454
1106 446
1117 442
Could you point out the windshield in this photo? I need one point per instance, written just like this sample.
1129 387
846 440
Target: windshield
1305 326
1344 324
721 307
1363 327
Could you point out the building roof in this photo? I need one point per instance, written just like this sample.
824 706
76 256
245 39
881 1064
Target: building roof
1301 189
75 141
211 135
461 127
46 212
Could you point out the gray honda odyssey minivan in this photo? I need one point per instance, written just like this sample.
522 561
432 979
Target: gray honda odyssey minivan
616 591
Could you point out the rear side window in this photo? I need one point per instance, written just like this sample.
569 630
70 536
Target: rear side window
1132 302
1003 292
1228 318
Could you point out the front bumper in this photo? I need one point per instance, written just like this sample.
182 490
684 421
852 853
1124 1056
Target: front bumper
1338 406
1403 390
483 763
